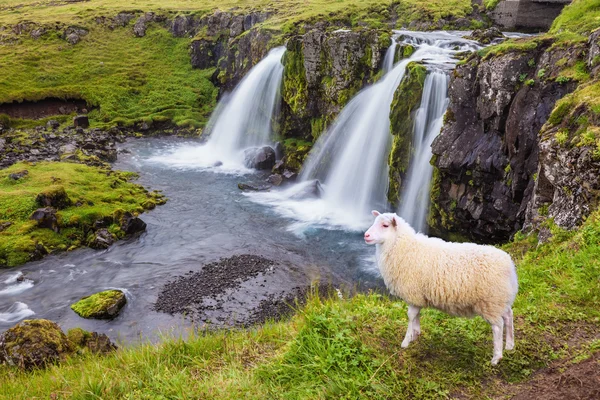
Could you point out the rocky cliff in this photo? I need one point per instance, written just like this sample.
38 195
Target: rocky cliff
489 158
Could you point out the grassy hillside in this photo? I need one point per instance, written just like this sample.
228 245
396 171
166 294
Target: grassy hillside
350 348
129 79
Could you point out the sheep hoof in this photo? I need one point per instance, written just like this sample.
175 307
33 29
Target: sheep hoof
496 360
405 343
510 346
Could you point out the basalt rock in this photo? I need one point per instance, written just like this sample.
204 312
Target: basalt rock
81 121
101 305
249 187
259 157
46 218
131 224
18 175
54 196
486 156
486 36
101 239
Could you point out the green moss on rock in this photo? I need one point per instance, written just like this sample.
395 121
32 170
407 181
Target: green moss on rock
34 343
295 88
406 100
102 305
296 151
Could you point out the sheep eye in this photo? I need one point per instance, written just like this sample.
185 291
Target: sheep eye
386 226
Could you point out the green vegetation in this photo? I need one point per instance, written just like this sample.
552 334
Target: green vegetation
407 99
350 348
490 4
98 304
93 193
580 17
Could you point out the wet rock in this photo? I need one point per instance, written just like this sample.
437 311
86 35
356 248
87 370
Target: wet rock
253 188
101 305
18 175
52 124
290 175
101 239
54 196
259 157
34 344
275 179
81 121
486 36
278 167
217 164
311 190
46 218
131 224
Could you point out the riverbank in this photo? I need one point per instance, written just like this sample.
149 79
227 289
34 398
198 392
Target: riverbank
351 346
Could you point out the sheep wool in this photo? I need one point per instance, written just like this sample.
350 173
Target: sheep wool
461 279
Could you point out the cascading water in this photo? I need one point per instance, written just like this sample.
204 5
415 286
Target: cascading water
242 119
428 123
350 159
390 55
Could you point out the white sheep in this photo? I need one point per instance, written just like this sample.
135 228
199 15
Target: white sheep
461 279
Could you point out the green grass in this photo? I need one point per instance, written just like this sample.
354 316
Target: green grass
130 80
350 348
99 192
581 17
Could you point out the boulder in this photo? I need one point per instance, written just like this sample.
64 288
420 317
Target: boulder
18 175
54 196
486 36
131 224
253 188
81 121
139 29
289 175
5 225
46 218
101 305
34 343
101 239
275 179
259 157
92 341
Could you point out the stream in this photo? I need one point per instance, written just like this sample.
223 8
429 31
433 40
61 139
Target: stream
206 218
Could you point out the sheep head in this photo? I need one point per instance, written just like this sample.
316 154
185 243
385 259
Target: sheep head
383 229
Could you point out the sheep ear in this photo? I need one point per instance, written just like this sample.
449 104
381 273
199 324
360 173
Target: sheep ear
375 213
394 222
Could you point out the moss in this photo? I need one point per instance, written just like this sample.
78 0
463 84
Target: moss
34 343
94 193
103 305
296 151
295 88
406 100
78 336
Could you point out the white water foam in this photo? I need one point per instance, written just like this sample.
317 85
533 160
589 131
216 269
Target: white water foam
16 312
17 288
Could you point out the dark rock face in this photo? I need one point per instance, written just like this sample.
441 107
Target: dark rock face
46 218
487 153
33 344
141 25
593 61
81 121
249 187
323 70
259 157
131 225
275 179
73 34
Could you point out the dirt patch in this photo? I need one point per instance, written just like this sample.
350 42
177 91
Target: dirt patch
564 381
43 108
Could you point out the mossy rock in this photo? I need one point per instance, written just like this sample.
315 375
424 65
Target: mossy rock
34 344
53 196
90 341
102 305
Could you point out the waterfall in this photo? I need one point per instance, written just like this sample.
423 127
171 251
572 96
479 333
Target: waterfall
414 200
351 158
388 61
242 119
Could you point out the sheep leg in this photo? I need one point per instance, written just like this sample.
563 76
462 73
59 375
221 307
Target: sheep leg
497 331
414 325
510 333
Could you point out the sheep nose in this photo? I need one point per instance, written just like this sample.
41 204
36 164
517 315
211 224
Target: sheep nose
367 236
